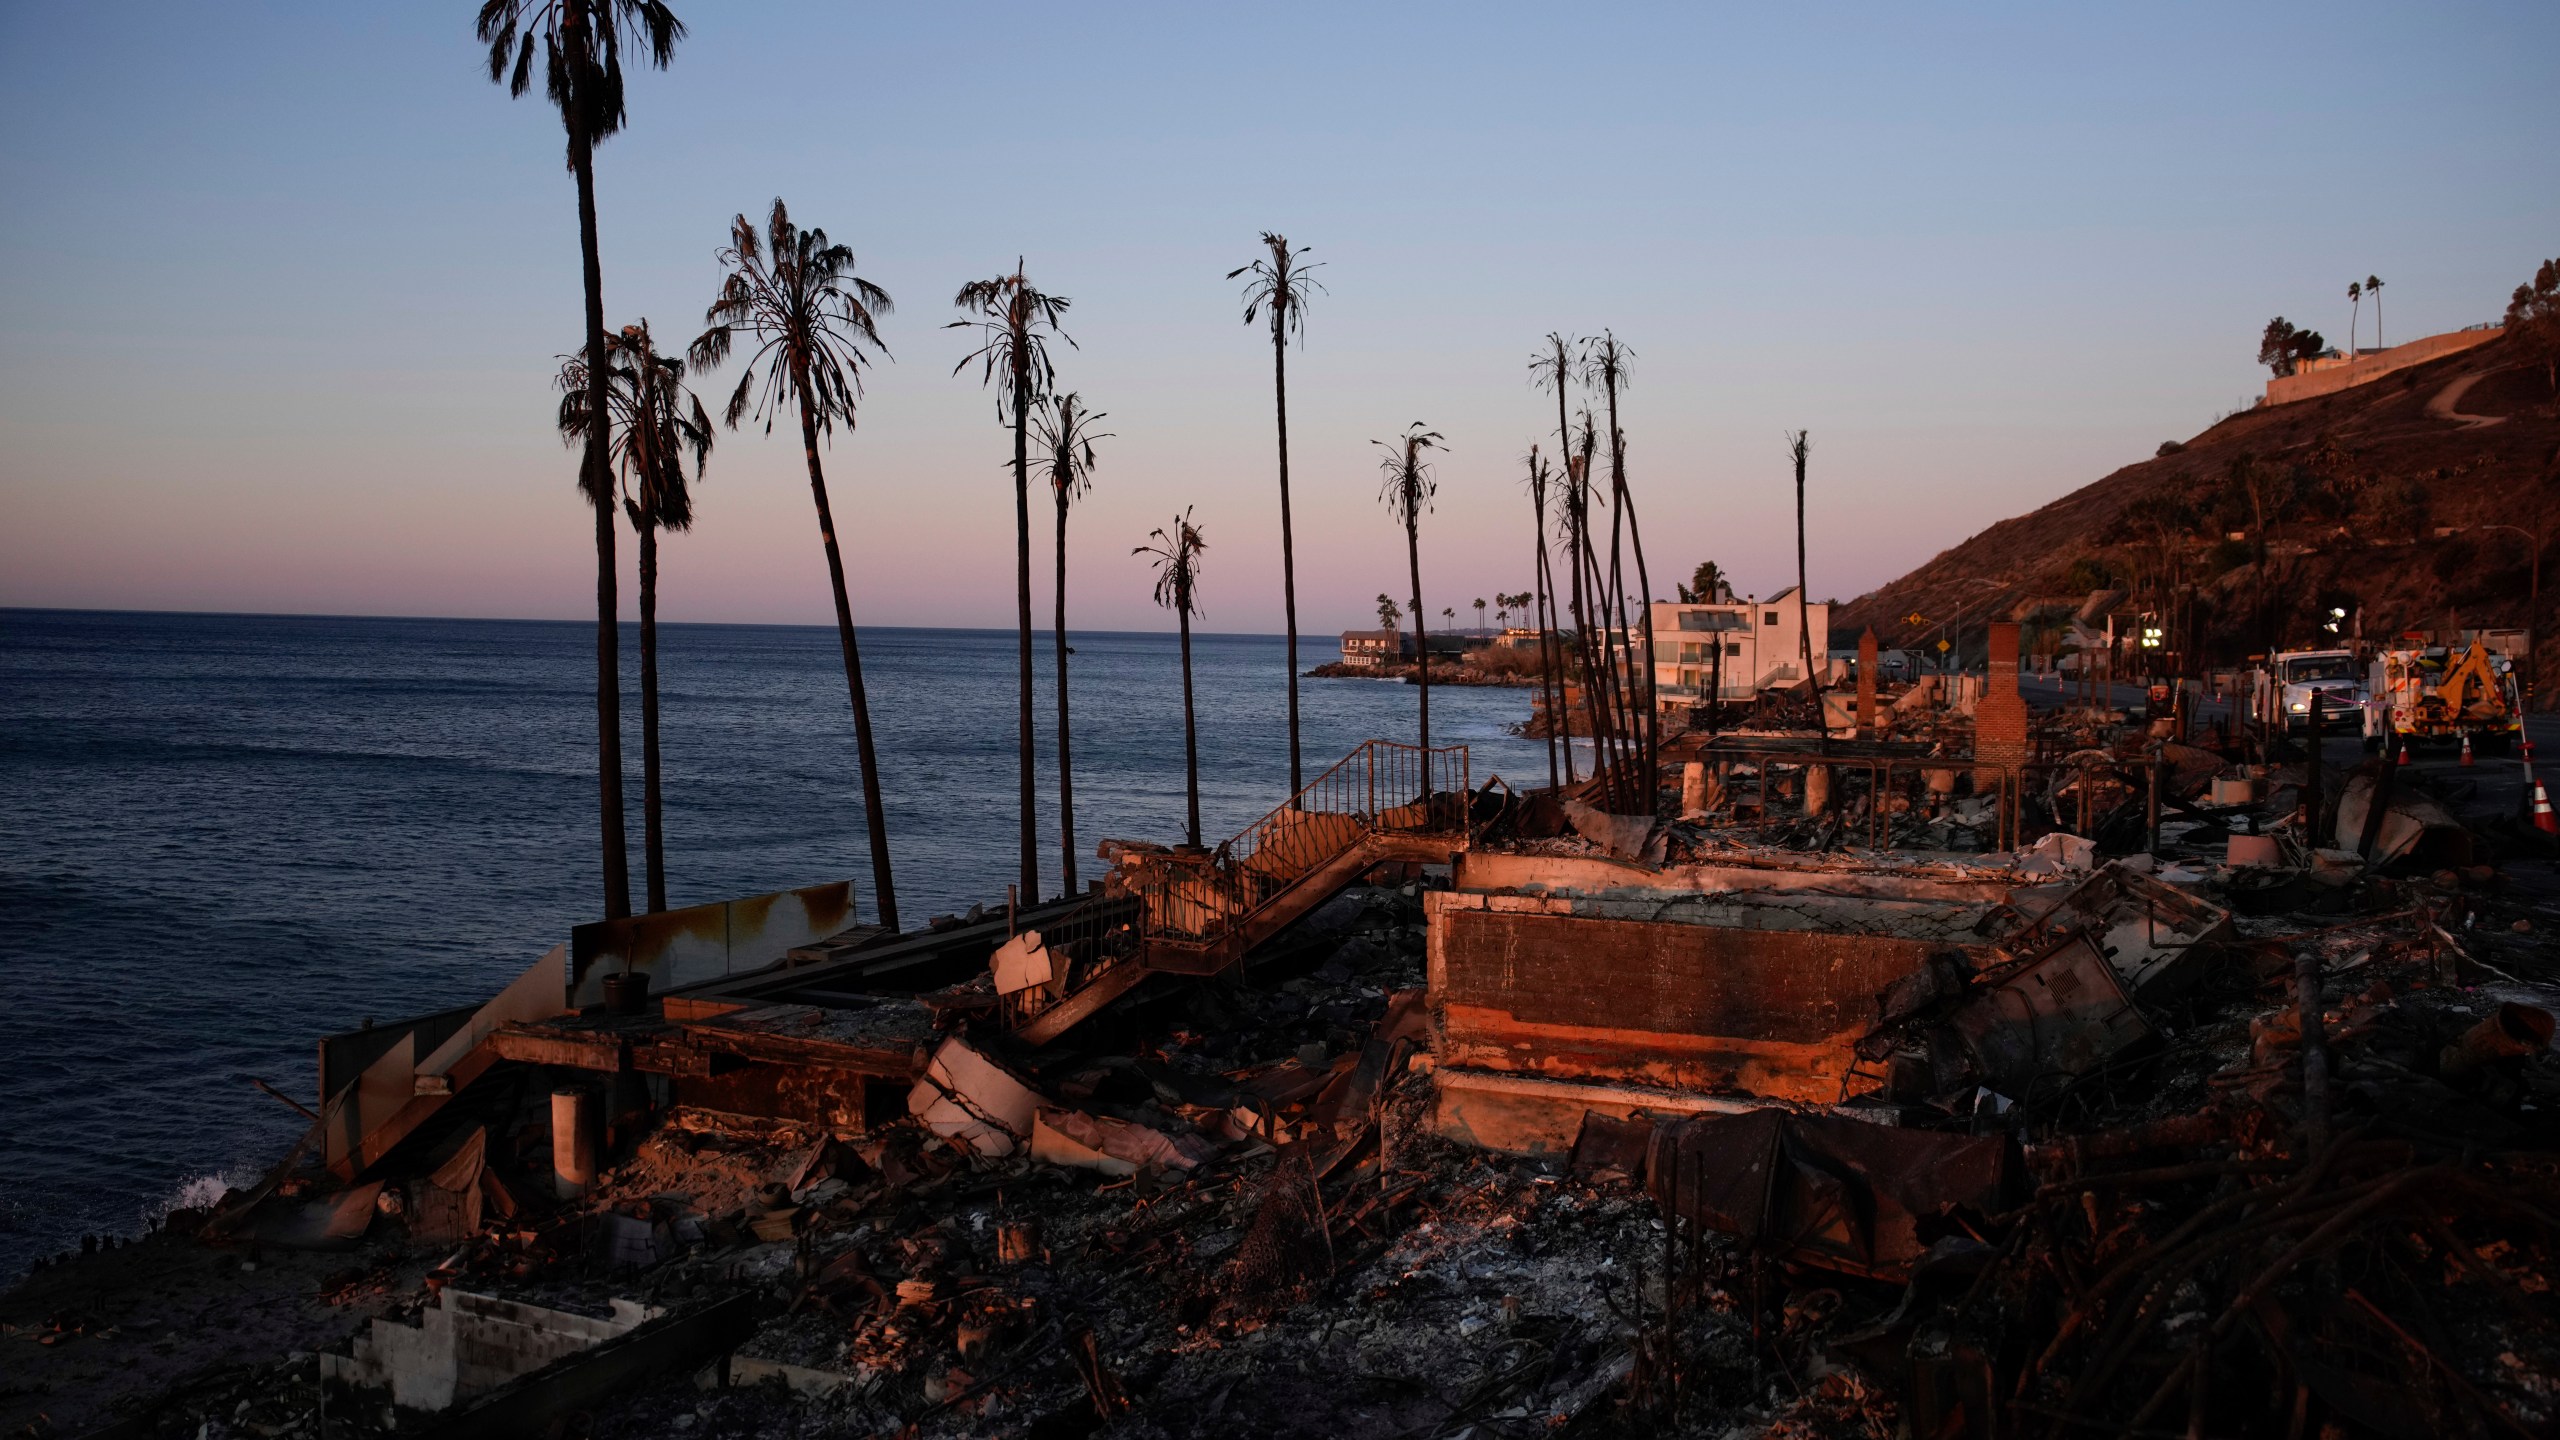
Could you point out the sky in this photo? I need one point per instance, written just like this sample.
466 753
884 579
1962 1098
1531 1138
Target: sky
283 287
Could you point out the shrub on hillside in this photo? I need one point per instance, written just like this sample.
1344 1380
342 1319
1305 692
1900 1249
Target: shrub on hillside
2168 448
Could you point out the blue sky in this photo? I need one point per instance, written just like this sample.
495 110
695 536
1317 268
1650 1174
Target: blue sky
281 286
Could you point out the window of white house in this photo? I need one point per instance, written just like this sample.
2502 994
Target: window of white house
1772 618
1733 648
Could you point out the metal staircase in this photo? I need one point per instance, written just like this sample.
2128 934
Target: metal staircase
1202 911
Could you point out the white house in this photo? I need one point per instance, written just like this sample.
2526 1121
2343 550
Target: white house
1761 641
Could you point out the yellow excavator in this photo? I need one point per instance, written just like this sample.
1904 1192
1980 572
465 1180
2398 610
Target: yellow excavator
2437 693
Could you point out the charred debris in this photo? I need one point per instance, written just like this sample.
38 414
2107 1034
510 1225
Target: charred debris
1936 1068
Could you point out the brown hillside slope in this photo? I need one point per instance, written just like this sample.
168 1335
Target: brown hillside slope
2370 475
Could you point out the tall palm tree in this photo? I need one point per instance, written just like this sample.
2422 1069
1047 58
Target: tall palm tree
2355 295
1066 444
1798 446
814 324
1479 612
1176 556
1388 611
1607 362
1538 612
655 420
1407 492
1010 316
1279 287
581 43
2373 292
1552 368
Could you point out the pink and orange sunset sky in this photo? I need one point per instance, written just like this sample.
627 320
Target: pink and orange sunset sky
282 285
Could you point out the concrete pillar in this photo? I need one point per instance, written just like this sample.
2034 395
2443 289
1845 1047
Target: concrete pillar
1693 790
1867 684
1817 789
573 1141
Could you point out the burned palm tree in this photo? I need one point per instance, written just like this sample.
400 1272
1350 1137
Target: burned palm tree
1014 321
1798 446
1175 552
1066 446
581 43
1279 288
655 422
1407 491
1552 368
1606 370
1559 725
814 324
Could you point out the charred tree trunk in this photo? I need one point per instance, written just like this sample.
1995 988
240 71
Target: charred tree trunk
875 820
1066 760
652 811
1022 608
594 477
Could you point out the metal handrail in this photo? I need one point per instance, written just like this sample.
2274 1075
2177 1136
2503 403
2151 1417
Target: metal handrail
1383 786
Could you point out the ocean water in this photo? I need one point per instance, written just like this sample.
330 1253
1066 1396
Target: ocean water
224 836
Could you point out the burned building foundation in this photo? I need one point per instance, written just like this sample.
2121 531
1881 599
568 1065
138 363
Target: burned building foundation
1570 985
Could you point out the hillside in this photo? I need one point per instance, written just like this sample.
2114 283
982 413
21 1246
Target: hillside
2354 485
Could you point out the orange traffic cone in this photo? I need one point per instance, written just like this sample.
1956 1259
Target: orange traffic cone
2466 747
2543 820
2405 748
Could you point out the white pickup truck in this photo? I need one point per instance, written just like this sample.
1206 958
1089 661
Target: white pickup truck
2285 688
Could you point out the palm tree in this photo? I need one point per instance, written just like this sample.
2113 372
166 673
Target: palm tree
1388 611
1607 368
1798 446
1176 555
1479 612
1066 442
1280 286
1407 492
657 420
813 323
2373 292
1552 368
1009 315
2355 294
582 44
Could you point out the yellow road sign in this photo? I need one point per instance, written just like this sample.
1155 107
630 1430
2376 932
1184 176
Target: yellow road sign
1943 647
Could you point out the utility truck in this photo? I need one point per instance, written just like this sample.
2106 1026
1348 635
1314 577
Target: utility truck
2446 693
2291 677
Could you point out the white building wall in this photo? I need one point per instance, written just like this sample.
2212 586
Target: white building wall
1763 645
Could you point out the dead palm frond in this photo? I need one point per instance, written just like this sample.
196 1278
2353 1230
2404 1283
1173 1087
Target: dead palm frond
1010 316
814 323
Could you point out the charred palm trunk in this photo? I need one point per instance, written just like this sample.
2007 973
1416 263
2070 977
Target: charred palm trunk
1022 606
1190 720
1553 645
1640 699
1288 553
652 817
593 476
1421 639
1804 608
875 821
1066 760
1538 616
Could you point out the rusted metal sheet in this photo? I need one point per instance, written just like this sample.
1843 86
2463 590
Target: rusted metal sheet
2063 1014
704 942
1697 1007
1828 1191
2155 935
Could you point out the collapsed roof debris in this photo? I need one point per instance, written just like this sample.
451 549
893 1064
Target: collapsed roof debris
1974 1071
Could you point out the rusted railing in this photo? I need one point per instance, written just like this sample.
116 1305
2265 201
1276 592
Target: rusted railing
1382 787
1201 898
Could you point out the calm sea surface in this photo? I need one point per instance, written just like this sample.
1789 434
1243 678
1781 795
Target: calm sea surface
223 836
